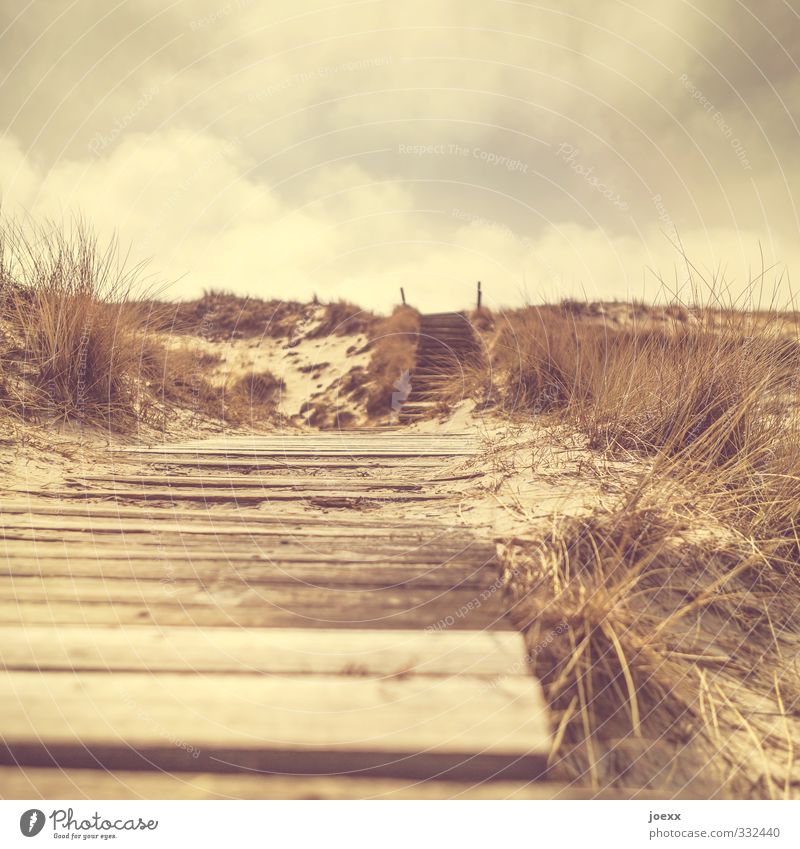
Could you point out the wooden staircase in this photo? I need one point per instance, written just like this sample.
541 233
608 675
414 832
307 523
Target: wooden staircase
446 342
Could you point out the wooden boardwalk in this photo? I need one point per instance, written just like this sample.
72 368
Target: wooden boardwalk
269 616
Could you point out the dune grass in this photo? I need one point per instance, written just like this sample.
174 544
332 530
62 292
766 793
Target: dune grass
77 347
646 389
221 315
663 631
393 343
663 628
341 318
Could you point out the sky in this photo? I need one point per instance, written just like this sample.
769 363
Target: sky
346 149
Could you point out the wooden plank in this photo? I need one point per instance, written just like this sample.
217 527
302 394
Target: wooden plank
32 546
318 496
45 507
248 528
317 442
113 520
320 573
272 482
210 615
93 784
317 572
11 528
279 651
365 444
310 453
34 600
415 727
339 437
191 461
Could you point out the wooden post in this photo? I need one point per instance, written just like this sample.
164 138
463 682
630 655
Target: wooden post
479 294
403 295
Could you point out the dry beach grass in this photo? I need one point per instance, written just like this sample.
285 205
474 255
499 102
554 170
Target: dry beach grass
664 627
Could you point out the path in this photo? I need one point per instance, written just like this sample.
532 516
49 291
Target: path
445 344
276 616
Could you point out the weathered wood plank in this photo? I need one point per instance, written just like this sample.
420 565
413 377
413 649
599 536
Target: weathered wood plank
191 461
306 449
12 528
209 495
417 726
212 616
321 572
314 438
265 482
31 546
34 600
34 507
279 651
316 443
92 784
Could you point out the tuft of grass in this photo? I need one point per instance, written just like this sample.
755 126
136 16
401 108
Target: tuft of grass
80 346
646 389
393 344
223 315
183 384
341 318
696 392
662 628
482 319
664 649
259 389
544 360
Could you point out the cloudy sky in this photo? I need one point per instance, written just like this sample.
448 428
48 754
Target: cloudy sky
349 148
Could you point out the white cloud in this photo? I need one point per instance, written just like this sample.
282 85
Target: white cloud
267 160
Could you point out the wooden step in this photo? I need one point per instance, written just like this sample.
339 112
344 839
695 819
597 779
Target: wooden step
419 727
371 567
93 784
277 651
446 341
208 495
38 600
